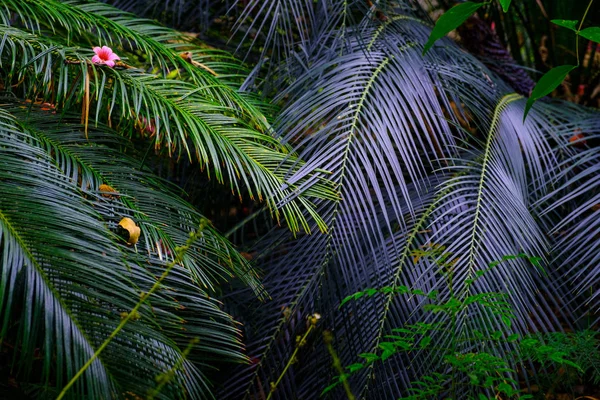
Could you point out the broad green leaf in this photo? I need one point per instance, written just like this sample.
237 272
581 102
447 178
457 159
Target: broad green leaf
547 84
450 21
535 261
402 289
370 357
505 4
566 23
505 388
558 357
387 354
433 294
592 34
387 346
572 364
347 299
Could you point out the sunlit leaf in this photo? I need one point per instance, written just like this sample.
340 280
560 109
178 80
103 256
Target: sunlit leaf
505 4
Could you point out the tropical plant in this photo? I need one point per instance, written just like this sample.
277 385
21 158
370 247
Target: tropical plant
559 375
466 368
423 149
86 227
377 151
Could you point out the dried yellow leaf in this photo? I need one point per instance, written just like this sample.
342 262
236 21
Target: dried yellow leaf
107 191
133 230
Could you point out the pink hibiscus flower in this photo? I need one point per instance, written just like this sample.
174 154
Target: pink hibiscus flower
104 55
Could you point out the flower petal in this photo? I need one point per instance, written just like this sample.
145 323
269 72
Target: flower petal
96 59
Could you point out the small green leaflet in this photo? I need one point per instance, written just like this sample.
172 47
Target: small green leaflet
592 34
547 84
505 4
566 23
450 21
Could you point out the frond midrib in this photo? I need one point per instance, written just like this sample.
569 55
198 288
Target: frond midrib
504 102
41 273
474 242
332 225
395 282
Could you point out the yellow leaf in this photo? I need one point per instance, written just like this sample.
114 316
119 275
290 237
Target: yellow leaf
132 229
107 191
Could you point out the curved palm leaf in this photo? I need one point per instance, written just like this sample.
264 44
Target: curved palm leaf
178 114
385 121
66 279
576 196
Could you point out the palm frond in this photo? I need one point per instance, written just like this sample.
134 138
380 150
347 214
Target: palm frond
66 279
424 151
175 113
576 197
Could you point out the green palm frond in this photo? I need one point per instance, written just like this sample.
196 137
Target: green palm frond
92 164
145 42
177 114
67 277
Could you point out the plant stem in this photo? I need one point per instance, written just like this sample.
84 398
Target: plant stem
179 254
579 29
328 338
169 374
300 343
244 222
453 332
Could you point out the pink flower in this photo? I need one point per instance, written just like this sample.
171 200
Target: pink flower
104 55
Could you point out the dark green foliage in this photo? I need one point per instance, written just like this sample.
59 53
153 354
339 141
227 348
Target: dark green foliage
69 176
576 362
467 369
376 150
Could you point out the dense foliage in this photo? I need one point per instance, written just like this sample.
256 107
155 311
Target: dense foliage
349 154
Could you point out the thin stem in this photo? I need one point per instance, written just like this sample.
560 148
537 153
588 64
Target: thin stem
337 364
579 29
85 115
179 254
244 222
313 322
453 332
168 376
